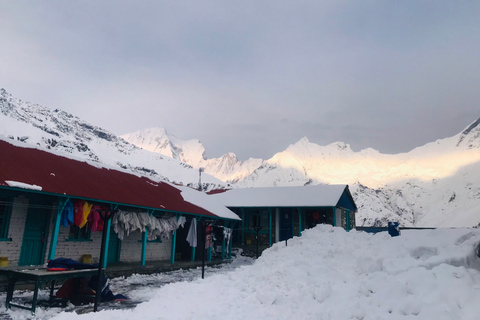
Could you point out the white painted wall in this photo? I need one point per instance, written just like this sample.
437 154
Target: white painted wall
11 249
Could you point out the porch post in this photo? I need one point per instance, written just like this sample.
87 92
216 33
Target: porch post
299 222
243 225
334 217
347 212
107 238
231 241
293 223
144 245
56 228
174 242
223 241
270 226
107 218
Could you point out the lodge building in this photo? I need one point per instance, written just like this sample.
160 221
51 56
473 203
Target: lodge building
39 192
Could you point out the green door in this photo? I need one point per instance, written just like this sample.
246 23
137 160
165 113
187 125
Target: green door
113 247
34 237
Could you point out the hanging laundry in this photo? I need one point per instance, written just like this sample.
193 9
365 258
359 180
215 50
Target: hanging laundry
95 222
181 221
192 233
125 223
78 212
66 217
87 207
227 234
208 237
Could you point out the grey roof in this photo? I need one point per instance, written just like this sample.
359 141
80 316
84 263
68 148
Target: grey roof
304 196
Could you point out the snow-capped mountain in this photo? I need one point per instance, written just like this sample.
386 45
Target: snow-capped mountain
65 133
227 168
433 185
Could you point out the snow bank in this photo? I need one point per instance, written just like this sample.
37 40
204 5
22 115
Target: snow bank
331 274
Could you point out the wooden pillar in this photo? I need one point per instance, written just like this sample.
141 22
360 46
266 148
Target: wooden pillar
231 241
226 224
174 243
243 225
347 212
56 229
144 246
299 222
107 235
270 226
334 217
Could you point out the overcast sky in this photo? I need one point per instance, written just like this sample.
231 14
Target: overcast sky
251 77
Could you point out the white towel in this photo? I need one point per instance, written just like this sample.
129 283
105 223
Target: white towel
192 233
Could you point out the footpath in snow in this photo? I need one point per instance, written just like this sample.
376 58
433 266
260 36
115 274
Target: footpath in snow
331 274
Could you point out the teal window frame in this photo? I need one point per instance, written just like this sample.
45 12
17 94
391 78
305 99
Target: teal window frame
79 234
5 215
259 217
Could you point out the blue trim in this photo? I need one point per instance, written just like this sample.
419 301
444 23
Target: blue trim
231 241
174 242
334 217
144 246
109 223
56 229
243 225
299 221
270 226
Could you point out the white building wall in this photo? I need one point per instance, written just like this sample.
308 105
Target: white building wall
75 249
11 249
131 249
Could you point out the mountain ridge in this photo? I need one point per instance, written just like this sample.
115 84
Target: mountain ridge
433 185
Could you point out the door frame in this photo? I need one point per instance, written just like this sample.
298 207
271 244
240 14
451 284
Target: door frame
31 211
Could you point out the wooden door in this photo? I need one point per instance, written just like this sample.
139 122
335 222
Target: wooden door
34 237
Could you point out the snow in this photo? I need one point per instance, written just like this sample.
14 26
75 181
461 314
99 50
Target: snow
206 202
331 274
308 196
17 184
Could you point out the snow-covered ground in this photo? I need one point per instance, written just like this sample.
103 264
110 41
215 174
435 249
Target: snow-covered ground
330 274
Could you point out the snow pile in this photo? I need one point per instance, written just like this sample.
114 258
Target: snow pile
331 274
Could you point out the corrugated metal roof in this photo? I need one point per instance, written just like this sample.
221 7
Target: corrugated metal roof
304 196
63 176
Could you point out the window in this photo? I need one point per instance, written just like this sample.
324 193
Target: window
258 219
79 234
5 212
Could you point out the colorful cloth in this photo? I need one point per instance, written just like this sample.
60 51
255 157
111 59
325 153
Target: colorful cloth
66 218
78 212
86 211
208 237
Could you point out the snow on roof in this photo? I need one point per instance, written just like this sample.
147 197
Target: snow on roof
305 196
22 185
203 200
30 168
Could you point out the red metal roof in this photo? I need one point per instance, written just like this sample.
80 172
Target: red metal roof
67 177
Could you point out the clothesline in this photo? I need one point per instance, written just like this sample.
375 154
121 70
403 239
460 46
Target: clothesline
124 223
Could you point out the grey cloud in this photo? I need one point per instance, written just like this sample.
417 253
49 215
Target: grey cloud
251 77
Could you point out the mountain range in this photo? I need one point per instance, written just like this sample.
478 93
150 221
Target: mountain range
435 185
